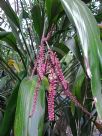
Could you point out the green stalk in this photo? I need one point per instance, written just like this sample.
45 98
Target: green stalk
20 54
28 28
25 44
23 36
30 35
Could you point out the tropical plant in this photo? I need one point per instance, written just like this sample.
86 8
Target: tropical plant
50 54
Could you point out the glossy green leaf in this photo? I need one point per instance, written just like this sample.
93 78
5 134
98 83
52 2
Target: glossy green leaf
13 21
53 8
9 38
60 49
9 12
8 119
45 83
72 44
38 19
91 46
7 122
25 125
16 34
78 83
49 7
77 87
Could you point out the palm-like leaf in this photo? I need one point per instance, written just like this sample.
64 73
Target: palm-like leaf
90 45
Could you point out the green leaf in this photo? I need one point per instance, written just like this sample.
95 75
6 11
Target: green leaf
53 8
77 87
60 49
9 38
45 83
8 119
78 83
48 8
91 46
25 15
25 125
38 19
9 12
13 20
72 44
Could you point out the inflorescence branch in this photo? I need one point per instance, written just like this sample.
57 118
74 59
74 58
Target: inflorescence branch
51 67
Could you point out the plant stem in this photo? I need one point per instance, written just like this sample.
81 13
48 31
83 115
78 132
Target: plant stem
20 54
25 44
24 38
30 35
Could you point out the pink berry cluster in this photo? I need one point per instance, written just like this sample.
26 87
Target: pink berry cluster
47 64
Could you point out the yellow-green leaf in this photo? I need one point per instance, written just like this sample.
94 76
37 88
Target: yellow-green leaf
25 125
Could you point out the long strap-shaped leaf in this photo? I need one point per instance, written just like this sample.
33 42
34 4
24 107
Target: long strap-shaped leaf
9 12
8 119
90 45
25 125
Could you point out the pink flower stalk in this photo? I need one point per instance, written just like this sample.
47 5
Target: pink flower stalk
40 61
35 97
52 91
51 97
55 75
57 66
77 103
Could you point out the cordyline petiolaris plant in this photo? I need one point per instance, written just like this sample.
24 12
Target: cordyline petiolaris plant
47 64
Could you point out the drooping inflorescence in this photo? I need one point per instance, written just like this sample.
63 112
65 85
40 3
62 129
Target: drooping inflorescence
52 67
35 97
57 68
40 61
52 90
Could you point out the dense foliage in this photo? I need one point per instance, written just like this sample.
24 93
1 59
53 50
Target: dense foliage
50 67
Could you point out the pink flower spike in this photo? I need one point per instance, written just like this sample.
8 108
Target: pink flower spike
58 70
35 97
40 61
52 89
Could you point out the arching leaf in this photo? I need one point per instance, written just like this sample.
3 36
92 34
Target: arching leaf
38 19
25 125
91 46
9 12
8 119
